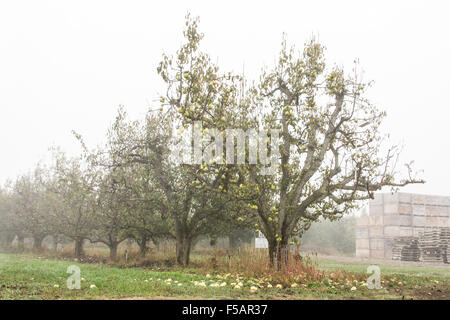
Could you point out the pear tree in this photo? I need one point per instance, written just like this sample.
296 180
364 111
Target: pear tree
73 188
332 152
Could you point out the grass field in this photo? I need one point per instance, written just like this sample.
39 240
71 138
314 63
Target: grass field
434 272
27 277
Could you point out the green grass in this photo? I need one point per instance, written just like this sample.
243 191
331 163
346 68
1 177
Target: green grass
30 278
25 277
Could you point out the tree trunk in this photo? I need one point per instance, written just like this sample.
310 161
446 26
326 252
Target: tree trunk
113 251
79 252
179 251
37 243
142 247
233 241
55 243
282 254
183 248
186 252
20 242
272 253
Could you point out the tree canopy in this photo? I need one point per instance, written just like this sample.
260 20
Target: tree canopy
308 147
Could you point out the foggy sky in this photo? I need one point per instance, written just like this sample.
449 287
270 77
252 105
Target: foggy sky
68 65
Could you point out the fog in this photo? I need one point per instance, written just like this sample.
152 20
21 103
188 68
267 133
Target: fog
68 65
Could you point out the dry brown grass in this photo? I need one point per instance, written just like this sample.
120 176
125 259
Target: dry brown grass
254 263
247 262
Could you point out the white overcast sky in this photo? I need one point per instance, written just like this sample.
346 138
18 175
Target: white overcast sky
67 65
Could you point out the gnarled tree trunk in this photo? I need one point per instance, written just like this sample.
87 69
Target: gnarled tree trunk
183 249
37 243
79 252
142 246
113 251
282 254
187 252
179 251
